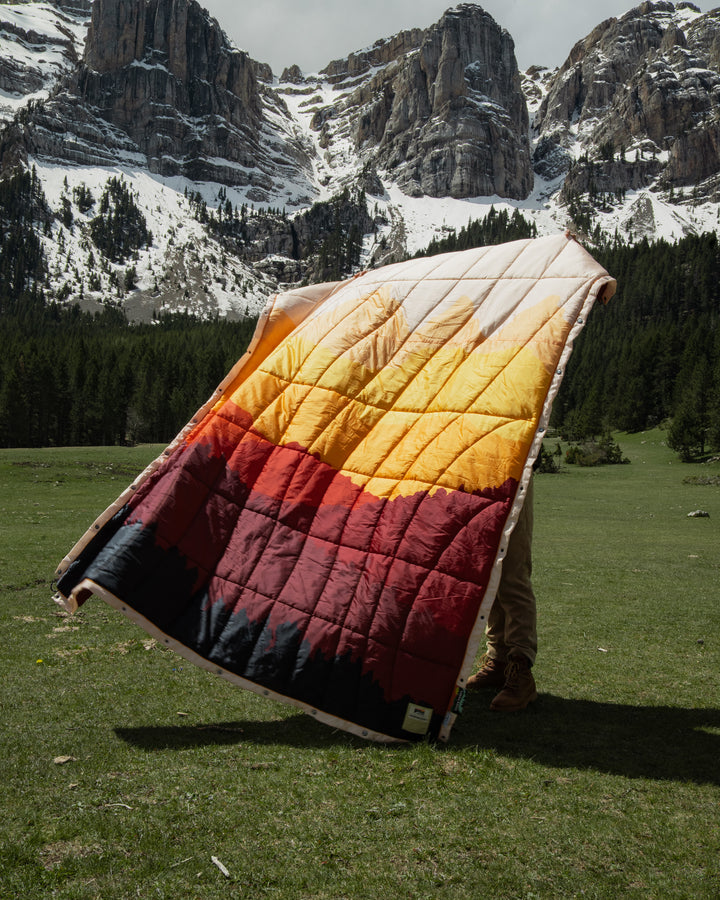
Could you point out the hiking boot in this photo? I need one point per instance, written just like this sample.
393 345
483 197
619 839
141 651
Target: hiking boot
491 674
519 688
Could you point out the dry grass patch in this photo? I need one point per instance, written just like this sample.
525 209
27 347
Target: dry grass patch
55 854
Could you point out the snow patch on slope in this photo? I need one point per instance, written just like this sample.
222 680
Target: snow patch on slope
184 269
38 41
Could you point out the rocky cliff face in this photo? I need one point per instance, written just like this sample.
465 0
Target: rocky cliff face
160 85
36 51
439 112
624 137
641 96
165 75
384 51
444 116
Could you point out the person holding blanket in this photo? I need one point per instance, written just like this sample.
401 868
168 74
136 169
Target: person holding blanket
512 624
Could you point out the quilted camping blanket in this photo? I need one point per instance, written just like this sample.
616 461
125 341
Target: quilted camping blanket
329 529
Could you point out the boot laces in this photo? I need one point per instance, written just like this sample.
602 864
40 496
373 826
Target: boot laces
512 673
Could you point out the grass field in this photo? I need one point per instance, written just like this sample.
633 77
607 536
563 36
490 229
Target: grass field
128 773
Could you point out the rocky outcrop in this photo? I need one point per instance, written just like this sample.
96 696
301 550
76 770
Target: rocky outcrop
160 85
703 38
315 245
74 7
292 75
603 177
601 64
694 157
622 134
381 53
163 73
646 84
438 112
445 115
48 45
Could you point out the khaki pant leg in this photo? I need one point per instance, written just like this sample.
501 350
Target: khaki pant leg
512 623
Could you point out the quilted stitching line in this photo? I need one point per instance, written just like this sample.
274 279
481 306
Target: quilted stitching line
428 484
381 409
377 284
339 543
481 593
496 281
305 533
267 515
450 375
210 489
261 368
538 331
313 614
479 394
331 621
226 385
396 400
327 334
389 556
341 403
259 554
392 556
342 626
367 553
471 263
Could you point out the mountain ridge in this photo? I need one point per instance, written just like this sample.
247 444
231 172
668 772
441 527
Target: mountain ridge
424 129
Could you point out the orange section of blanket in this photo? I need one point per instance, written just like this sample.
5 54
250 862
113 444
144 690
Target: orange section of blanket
398 410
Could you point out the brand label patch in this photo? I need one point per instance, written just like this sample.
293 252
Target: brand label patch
417 719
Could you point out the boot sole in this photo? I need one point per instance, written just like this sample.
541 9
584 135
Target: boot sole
529 700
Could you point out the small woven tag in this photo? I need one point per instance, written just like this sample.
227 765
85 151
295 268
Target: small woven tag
417 719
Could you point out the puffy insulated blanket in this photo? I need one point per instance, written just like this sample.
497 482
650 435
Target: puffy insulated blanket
329 529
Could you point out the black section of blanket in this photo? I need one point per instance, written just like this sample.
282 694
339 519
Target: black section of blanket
76 571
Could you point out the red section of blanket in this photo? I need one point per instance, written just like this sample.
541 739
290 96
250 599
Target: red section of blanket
276 534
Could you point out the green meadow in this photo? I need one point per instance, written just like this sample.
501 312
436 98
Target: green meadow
127 772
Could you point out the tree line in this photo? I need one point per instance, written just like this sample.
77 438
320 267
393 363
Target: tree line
327 238
652 355
69 378
497 227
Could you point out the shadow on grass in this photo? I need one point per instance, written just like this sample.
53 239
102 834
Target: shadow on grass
656 742
294 730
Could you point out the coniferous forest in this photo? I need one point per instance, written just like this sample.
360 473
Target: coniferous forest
650 357
69 377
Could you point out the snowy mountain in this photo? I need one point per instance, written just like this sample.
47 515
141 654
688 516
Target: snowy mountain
39 44
630 122
245 181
